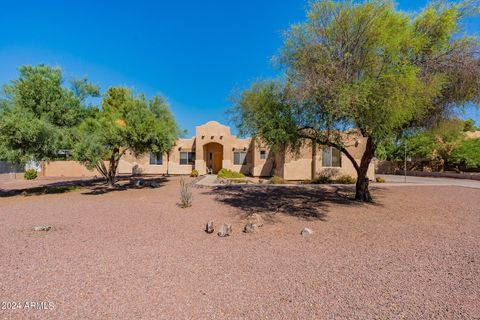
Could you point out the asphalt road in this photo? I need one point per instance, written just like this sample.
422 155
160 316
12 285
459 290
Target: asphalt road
431 181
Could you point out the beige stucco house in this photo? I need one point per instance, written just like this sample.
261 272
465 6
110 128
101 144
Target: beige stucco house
214 147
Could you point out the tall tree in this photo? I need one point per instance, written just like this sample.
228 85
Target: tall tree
38 113
364 69
126 123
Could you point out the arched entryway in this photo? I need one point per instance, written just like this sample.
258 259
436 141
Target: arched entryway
213 156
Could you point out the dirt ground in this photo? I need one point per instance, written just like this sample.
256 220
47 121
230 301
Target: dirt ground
133 254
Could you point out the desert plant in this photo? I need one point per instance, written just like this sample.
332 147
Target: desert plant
185 194
277 180
30 174
227 173
194 173
322 179
380 180
346 179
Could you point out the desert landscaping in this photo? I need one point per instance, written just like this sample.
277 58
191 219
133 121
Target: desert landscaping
134 253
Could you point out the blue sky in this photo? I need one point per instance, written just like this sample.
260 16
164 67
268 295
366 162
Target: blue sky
195 53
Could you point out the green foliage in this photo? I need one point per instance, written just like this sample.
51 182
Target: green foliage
229 174
126 123
39 115
277 180
345 179
194 173
368 66
30 174
379 180
322 179
469 125
467 154
435 144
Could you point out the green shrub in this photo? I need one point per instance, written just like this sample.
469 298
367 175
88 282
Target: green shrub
194 173
227 173
380 180
467 154
322 179
277 180
346 179
30 174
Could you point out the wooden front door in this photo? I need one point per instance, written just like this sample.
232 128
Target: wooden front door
217 161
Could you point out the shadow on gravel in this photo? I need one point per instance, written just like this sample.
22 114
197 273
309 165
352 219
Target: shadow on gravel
92 186
305 202
127 183
49 188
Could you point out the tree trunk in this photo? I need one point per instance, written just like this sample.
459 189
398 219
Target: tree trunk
168 161
361 189
112 168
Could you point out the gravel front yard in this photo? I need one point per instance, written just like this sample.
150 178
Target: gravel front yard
133 254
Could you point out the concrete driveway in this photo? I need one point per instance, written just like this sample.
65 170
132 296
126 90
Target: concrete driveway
430 181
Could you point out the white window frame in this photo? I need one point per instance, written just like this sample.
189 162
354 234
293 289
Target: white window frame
263 154
156 160
327 157
190 158
244 158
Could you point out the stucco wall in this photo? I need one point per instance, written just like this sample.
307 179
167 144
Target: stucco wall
69 169
284 164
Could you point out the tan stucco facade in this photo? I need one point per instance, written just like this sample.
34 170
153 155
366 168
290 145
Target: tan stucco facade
214 147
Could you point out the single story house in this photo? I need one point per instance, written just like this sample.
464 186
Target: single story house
214 147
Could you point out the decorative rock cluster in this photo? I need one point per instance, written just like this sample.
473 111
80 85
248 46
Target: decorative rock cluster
254 222
225 229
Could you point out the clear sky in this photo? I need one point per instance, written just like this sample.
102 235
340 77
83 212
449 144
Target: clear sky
195 53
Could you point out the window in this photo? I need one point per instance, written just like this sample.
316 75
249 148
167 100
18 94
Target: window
156 158
331 157
239 157
187 157
263 154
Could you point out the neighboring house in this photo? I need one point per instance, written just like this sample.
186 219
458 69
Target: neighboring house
472 134
213 147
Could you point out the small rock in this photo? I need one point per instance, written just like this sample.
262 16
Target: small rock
42 228
225 230
250 228
306 232
255 219
209 227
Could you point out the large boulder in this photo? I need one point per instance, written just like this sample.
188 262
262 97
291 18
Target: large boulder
225 230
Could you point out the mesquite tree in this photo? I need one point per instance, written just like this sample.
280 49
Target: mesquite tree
126 123
39 113
363 69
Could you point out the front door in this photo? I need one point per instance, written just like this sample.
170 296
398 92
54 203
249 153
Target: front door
217 161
